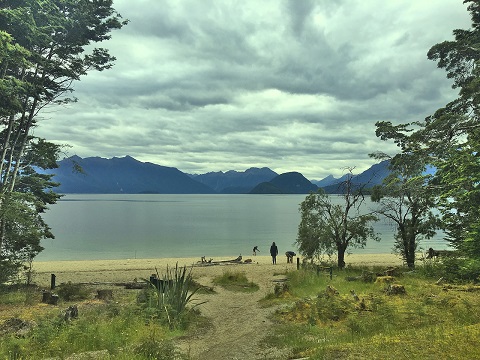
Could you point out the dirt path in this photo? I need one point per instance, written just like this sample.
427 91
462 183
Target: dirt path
238 322
239 325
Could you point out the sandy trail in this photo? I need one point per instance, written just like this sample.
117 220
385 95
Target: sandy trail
238 323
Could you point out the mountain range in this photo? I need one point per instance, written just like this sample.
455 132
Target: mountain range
96 175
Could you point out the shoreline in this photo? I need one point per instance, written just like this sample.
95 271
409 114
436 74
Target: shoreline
126 270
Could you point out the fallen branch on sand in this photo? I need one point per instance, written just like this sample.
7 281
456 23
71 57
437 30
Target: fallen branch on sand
210 262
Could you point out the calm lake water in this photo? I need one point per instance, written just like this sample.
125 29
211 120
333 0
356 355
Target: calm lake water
89 227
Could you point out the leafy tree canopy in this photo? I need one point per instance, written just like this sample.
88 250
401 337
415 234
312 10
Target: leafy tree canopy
327 228
449 139
45 45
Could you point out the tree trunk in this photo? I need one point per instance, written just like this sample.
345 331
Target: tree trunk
341 258
410 252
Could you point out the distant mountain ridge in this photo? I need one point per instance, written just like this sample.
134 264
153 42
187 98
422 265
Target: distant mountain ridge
123 175
235 182
287 183
130 176
372 176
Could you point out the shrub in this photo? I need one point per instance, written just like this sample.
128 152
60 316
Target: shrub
70 291
8 270
235 281
460 269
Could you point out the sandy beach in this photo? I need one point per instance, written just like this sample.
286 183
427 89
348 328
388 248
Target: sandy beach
127 270
240 338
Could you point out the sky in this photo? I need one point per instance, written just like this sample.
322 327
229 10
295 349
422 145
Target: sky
293 85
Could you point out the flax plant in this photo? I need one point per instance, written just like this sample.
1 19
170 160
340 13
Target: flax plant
174 294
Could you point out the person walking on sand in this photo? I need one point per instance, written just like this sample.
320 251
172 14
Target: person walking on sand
255 249
274 252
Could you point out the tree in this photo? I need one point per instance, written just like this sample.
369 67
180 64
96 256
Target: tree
43 47
405 200
449 139
327 228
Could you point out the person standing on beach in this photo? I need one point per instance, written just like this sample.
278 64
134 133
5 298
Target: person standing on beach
255 249
274 252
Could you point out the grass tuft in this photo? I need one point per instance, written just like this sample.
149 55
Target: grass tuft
235 281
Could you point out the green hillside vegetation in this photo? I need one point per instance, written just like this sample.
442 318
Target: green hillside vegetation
360 315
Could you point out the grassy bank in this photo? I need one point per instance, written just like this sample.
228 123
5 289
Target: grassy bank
108 323
359 315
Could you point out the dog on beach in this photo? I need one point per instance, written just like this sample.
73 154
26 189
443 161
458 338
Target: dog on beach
438 253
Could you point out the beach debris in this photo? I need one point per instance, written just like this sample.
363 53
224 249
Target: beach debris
203 260
237 260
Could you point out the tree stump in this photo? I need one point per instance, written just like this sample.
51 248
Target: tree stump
49 298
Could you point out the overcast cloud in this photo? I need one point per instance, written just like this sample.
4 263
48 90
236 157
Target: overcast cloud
216 85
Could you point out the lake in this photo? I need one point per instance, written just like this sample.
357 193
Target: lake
89 227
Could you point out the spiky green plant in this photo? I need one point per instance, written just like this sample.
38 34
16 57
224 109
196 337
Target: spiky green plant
175 294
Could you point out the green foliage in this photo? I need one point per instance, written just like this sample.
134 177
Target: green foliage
457 269
235 281
326 228
404 199
429 321
43 49
169 302
154 348
70 291
112 330
449 139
